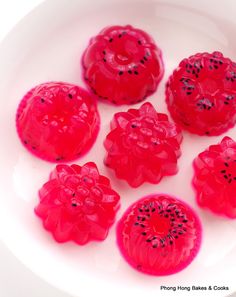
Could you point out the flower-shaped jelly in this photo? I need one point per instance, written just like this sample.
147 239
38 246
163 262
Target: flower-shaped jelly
142 145
77 203
215 178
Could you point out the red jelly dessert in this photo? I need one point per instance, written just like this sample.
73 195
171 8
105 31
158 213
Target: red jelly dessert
215 178
201 94
57 121
77 203
123 65
142 145
159 235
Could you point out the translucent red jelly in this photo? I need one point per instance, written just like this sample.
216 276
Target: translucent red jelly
77 203
57 121
159 235
142 146
122 65
201 94
215 178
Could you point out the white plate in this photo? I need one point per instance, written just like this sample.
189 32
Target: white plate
47 45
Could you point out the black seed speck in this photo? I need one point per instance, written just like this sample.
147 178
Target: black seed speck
33 147
136 72
144 233
42 100
223 171
139 42
104 52
73 204
25 142
226 164
111 39
119 35
142 225
139 267
104 60
185 221
129 71
136 224
121 72
70 96
154 209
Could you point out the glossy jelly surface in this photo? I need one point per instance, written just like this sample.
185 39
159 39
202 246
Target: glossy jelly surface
77 203
57 121
159 235
143 146
122 65
201 94
215 178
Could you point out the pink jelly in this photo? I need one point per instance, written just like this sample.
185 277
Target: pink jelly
201 94
77 203
215 178
159 235
143 146
122 65
57 121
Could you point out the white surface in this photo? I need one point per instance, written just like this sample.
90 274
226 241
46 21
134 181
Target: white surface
47 45
12 11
